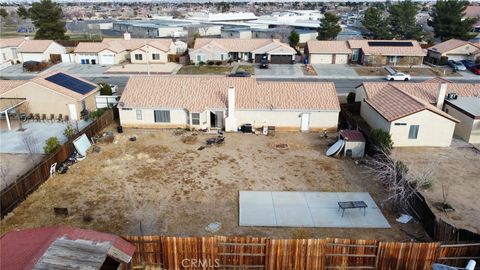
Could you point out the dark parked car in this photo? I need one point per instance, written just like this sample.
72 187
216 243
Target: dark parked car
475 69
264 61
468 63
456 65
239 74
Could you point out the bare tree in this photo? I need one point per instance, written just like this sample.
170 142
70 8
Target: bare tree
4 171
393 174
31 145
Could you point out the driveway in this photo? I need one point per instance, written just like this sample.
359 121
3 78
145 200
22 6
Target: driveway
331 70
279 71
16 70
78 69
36 133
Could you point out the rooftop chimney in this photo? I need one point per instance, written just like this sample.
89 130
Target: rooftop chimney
230 120
442 91
127 36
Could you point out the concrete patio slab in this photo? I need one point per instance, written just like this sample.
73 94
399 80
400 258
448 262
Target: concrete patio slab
264 213
307 209
39 132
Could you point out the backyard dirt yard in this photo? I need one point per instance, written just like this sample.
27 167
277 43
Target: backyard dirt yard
162 184
458 168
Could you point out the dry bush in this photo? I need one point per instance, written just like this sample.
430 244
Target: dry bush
301 233
190 139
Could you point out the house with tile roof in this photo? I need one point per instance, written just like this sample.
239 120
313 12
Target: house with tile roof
63 247
9 48
417 114
39 50
454 49
227 103
365 52
115 51
252 50
53 93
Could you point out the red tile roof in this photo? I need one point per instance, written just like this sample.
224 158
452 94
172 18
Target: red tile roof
22 249
352 135
199 93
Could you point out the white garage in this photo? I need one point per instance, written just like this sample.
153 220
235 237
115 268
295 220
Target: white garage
341 59
321 58
107 59
328 52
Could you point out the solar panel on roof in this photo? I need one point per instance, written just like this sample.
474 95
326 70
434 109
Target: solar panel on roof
390 44
71 83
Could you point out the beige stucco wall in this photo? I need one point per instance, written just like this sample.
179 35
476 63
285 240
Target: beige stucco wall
466 49
281 119
151 50
287 119
90 56
207 56
43 100
468 129
7 54
434 130
128 118
372 117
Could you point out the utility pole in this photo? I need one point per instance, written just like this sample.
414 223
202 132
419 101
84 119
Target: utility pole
146 53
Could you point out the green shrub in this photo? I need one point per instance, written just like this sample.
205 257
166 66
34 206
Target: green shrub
201 63
97 113
70 132
443 60
210 63
51 145
105 89
381 140
351 98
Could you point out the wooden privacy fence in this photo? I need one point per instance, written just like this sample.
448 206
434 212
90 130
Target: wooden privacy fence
220 252
18 191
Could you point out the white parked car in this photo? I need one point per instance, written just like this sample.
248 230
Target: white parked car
398 77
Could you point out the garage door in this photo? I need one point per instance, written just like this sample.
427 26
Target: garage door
107 59
281 59
341 58
321 59
456 57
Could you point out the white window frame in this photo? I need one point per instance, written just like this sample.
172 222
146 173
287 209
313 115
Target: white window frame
155 56
139 114
138 57
161 113
413 132
193 118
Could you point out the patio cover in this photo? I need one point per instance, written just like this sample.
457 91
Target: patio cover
7 104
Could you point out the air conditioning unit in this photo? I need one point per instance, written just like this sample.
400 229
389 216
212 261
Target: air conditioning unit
451 96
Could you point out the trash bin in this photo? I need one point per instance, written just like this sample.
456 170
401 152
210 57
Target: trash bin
120 129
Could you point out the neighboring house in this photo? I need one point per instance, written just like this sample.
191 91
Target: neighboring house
365 52
9 48
64 247
454 49
158 51
227 103
99 53
419 114
54 93
217 49
116 51
328 52
39 50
